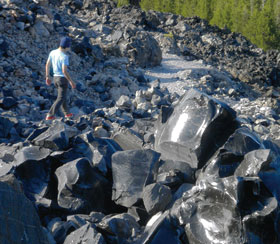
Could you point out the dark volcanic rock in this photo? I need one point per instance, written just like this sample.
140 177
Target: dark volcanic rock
33 169
211 215
156 197
6 125
56 137
132 170
19 220
140 47
230 156
188 133
119 227
253 162
160 230
81 188
7 102
86 234
128 139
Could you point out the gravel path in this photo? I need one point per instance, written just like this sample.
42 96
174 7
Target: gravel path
174 73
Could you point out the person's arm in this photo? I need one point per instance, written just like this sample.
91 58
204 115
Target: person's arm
67 76
48 77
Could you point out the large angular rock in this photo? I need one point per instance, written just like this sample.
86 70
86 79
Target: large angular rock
86 235
19 220
56 137
6 125
253 162
32 167
270 175
140 47
211 214
231 154
156 197
132 170
98 150
260 211
159 229
7 102
81 188
198 126
128 139
119 227
262 225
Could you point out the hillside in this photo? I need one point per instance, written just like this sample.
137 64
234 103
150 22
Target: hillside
174 139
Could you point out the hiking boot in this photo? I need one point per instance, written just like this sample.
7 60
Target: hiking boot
50 117
69 115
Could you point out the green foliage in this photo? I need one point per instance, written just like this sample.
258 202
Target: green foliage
122 2
258 20
169 35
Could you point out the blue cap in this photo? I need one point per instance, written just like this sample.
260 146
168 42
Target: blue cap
65 42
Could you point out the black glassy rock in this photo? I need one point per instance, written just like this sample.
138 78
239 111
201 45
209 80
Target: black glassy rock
85 234
7 102
197 127
81 188
159 229
6 125
253 162
231 154
156 197
32 167
211 214
99 151
132 170
119 227
19 216
56 137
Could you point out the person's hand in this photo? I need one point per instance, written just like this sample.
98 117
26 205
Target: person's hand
73 85
48 81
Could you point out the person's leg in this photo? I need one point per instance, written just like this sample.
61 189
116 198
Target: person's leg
60 96
64 106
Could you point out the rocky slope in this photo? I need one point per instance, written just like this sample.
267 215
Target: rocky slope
140 162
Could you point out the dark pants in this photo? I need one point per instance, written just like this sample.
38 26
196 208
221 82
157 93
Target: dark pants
61 84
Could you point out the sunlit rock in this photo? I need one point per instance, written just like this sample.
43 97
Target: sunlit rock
196 128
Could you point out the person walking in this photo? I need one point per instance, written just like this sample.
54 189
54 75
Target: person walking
59 60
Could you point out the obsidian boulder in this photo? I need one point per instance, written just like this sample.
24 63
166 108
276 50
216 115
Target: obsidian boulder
7 103
197 127
119 228
6 125
32 168
19 220
81 188
132 170
56 137
156 197
86 234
